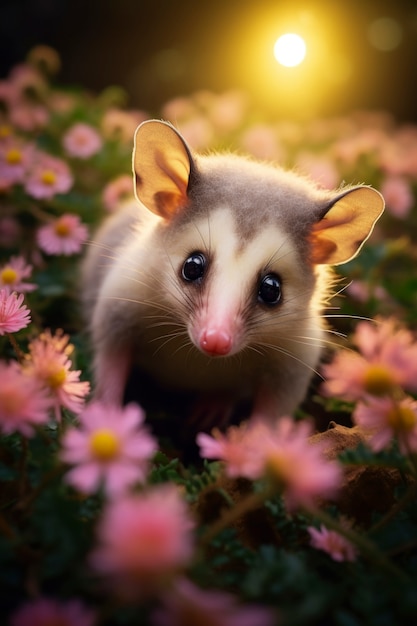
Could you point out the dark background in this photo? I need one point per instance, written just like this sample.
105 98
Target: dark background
158 49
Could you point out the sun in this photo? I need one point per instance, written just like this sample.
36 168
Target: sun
290 50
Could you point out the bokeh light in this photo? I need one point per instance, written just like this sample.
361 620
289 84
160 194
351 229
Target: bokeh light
385 34
290 49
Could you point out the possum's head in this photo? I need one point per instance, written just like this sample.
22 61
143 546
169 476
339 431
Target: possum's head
244 239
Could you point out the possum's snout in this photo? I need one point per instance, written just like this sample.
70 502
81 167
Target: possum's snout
215 341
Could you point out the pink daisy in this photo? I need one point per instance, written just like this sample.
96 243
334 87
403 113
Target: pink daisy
281 451
111 447
388 360
23 403
234 448
185 603
49 612
65 235
15 158
13 275
82 141
116 191
120 124
336 545
28 116
48 177
48 363
14 315
144 539
398 194
386 418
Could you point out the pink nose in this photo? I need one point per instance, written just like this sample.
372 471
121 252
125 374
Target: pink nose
215 342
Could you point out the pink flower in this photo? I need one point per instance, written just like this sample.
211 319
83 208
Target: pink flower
23 403
144 539
49 612
116 191
281 451
235 448
48 177
388 361
14 315
319 168
111 447
82 141
386 419
27 116
398 195
65 235
15 158
121 125
13 274
197 132
332 542
185 603
261 141
48 363
227 110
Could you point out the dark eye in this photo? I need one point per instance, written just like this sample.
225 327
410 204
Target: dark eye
194 267
270 290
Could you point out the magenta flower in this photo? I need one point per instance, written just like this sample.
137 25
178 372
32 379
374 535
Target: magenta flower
48 177
49 364
65 235
23 403
144 539
49 612
185 603
388 360
386 419
336 545
82 141
14 315
111 447
281 451
13 275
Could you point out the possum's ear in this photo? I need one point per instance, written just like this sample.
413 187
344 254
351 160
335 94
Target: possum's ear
346 225
162 164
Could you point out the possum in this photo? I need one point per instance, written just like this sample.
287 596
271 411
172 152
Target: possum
205 293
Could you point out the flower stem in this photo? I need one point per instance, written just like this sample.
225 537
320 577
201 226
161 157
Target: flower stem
409 496
19 354
252 501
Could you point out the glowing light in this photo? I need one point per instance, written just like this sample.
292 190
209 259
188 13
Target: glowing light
290 50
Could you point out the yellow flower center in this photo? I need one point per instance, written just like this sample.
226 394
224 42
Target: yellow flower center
56 379
48 177
277 468
5 131
14 156
401 418
8 276
378 380
62 229
104 445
